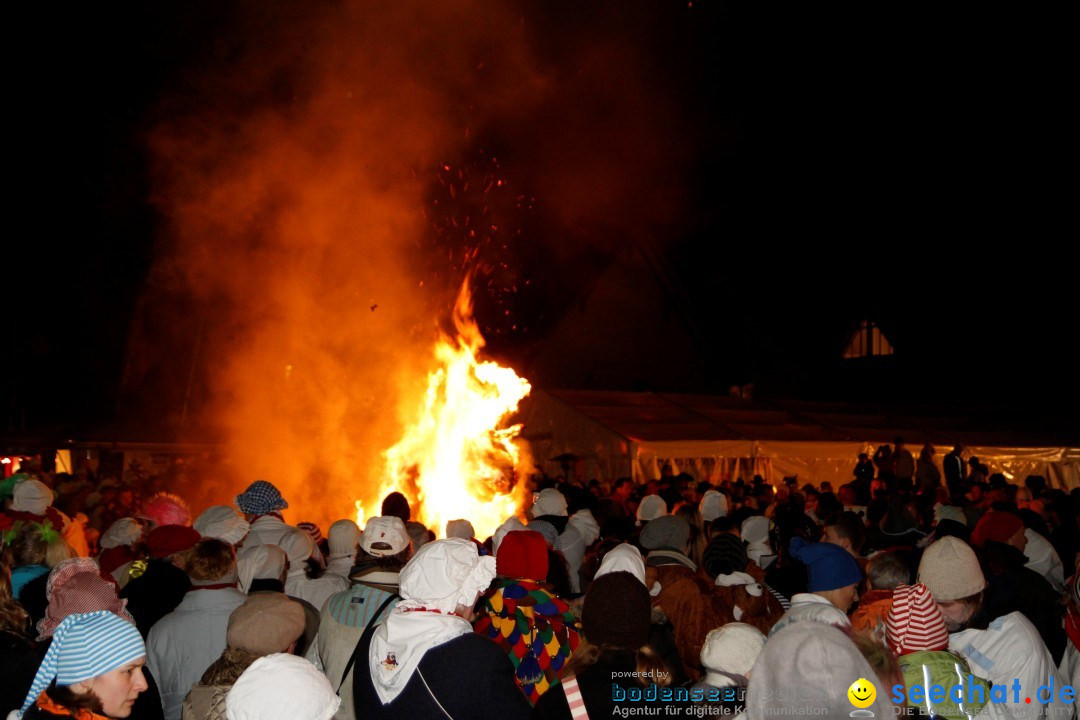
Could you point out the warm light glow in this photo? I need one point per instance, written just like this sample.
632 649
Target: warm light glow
456 459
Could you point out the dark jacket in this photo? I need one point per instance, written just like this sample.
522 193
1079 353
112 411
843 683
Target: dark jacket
471 677
598 685
155 593
19 660
1011 587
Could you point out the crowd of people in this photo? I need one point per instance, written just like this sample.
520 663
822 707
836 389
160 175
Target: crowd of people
671 597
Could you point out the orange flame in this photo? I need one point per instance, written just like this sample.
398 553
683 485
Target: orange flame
456 459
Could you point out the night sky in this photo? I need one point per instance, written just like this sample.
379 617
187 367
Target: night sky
893 163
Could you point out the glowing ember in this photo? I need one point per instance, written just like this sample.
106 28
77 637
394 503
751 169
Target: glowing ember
457 460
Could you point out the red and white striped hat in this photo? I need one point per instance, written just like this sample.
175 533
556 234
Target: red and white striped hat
914 623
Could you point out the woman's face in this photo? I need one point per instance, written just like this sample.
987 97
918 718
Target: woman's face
117 689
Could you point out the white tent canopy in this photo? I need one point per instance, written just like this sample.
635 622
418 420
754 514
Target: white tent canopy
621 434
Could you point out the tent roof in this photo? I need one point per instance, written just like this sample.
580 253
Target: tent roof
658 417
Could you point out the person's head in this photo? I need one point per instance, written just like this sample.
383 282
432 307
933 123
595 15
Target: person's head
927 452
756 530
999 526
725 554
460 528
281 686
343 538
667 532
949 512
222 522
76 586
13 617
549 502
31 496
124 532
713 505
260 498
624 557
886 571
396 505
445 575
263 565
299 547
40 544
386 536
615 619
729 652
847 531
523 554
831 571
211 561
172 543
1036 484
809 660
166 509
950 570
266 623
94 662
914 622
623 488
651 507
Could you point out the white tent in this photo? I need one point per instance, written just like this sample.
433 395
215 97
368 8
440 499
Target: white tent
620 434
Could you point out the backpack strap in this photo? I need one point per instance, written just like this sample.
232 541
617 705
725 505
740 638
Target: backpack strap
369 630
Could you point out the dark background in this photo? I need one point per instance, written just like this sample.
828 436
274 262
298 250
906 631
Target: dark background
896 163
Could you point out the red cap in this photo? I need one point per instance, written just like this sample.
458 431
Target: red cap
997 526
523 554
168 539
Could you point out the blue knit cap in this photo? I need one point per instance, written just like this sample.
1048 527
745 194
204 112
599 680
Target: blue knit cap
828 566
260 498
85 646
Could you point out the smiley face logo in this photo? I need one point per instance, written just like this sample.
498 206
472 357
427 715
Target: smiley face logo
862 693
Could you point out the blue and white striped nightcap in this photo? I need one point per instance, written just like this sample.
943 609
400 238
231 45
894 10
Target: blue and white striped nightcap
84 646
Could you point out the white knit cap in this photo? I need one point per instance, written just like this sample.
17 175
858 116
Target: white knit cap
651 507
444 574
222 522
713 505
281 686
950 569
125 531
731 649
460 529
33 496
342 538
549 502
